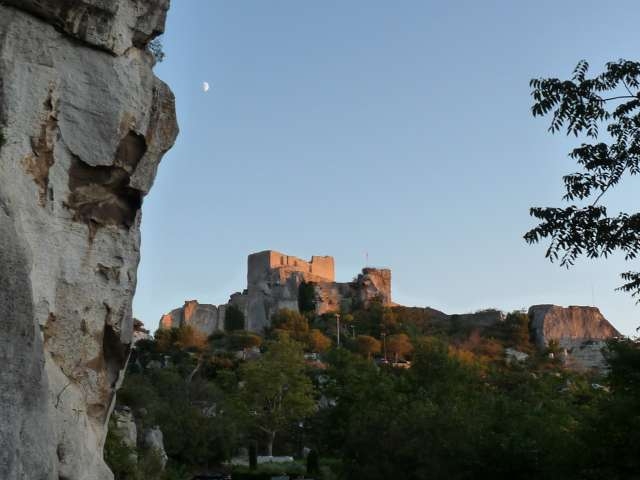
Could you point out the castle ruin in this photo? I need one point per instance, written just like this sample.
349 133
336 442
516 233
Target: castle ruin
273 283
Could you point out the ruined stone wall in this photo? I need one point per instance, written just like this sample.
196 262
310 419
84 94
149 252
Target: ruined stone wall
264 265
273 280
84 124
206 318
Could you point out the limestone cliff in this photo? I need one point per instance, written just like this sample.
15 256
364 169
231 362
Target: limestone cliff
84 124
569 326
204 317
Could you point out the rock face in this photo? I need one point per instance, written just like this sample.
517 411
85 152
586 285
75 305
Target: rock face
273 283
580 331
204 317
154 439
569 326
273 280
83 123
126 426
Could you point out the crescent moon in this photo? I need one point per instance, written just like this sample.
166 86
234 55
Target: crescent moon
205 86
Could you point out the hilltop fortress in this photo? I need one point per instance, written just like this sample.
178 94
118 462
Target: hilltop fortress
274 279
273 283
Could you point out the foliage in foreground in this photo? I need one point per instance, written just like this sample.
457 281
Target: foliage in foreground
460 412
584 105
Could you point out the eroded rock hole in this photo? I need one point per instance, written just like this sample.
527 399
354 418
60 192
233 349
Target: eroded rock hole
130 151
101 195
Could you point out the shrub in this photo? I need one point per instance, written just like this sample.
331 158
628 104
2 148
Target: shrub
367 345
118 455
155 48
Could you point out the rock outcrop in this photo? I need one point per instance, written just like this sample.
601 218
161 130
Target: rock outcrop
153 439
125 425
83 125
206 318
569 326
580 332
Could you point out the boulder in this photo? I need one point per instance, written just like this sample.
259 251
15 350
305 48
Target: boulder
153 439
125 426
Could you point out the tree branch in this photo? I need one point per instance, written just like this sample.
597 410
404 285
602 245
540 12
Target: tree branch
618 98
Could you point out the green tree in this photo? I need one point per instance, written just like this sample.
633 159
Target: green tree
190 338
244 341
399 345
292 322
276 391
612 433
118 455
514 331
582 105
233 319
367 345
318 341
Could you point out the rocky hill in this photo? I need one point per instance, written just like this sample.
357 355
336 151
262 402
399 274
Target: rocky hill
274 280
84 123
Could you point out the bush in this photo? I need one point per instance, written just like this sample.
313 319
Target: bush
266 470
118 456
155 48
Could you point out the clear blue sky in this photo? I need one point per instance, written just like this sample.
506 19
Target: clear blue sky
402 129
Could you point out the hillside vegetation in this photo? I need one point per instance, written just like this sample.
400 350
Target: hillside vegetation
462 409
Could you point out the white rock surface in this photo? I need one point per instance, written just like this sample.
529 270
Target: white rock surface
126 426
85 124
154 439
568 326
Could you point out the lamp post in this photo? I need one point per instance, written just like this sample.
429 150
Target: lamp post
338 327
384 343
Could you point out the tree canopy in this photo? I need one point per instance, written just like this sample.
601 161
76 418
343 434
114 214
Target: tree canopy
276 390
581 106
368 345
